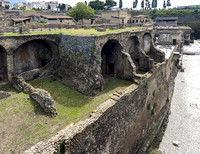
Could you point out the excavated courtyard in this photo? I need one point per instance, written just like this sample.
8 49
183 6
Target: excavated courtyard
22 120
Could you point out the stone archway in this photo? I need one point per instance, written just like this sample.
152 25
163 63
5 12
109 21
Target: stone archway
110 55
147 42
33 55
132 48
3 65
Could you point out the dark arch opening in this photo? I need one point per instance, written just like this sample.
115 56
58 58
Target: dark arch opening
133 50
33 54
3 65
109 55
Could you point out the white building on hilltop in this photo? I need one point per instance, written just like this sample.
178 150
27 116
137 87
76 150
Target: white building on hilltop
37 5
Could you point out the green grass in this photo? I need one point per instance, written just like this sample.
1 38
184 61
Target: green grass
78 32
24 121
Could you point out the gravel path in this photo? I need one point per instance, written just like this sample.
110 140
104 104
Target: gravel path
184 120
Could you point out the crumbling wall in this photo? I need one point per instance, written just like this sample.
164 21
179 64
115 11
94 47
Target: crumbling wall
39 95
3 65
141 61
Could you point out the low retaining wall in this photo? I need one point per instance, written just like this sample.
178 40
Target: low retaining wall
39 95
126 123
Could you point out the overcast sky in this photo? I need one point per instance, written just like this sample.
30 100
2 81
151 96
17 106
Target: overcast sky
128 3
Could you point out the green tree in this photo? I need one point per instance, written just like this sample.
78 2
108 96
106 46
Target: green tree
142 4
147 5
7 6
168 3
156 3
96 5
164 5
120 4
63 6
49 7
153 4
135 3
110 3
80 11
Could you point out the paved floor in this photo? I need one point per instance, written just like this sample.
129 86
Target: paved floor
184 121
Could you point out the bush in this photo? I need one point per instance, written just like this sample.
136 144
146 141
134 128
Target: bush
42 21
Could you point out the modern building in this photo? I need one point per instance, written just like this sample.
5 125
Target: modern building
37 5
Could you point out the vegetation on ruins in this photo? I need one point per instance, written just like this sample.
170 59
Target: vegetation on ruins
80 11
173 13
80 32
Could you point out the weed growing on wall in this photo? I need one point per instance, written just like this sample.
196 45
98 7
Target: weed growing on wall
147 84
148 106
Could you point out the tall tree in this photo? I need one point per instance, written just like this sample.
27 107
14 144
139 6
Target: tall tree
164 5
80 11
7 6
86 2
49 7
120 4
110 3
142 4
147 5
63 7
168 3
135 3
96 5
156 3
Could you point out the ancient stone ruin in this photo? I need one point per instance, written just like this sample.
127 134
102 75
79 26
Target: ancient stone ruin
121 124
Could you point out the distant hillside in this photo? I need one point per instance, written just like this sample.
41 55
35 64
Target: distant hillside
16 1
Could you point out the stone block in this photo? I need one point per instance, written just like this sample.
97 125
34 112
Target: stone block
113 28
77 27
24 30
87 27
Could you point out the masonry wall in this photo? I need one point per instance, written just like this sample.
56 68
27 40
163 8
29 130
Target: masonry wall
126 123
129 122
79 68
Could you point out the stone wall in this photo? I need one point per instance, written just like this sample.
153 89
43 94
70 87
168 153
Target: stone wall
172 35
126 123
21 52
79 68
85 60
